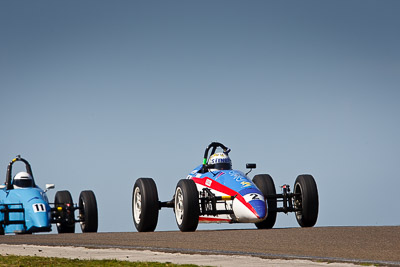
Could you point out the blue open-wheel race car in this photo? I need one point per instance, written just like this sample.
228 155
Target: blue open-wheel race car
214 192
25 209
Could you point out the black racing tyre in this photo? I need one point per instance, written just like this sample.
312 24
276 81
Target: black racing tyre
145 205
265 183
306 200
186 205
66 223
88 215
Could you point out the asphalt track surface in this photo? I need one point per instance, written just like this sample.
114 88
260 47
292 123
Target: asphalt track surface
373 245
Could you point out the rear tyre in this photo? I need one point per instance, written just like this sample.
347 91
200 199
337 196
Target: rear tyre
186 206
265 183
66 220
145 205
306 200
88 212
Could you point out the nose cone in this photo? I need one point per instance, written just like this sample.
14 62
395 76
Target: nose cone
38 218
249 212
259 207
41 220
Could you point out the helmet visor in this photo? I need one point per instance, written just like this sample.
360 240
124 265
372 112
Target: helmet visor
23 182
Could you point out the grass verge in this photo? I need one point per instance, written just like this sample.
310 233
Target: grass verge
35 261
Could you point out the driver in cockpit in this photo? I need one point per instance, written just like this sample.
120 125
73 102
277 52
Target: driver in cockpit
219 161
22 180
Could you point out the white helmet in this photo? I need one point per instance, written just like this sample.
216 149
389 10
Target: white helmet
219 161
22 180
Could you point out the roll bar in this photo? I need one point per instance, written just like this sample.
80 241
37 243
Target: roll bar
9 171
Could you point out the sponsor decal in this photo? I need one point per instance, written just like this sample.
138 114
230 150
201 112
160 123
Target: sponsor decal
208 182
219 158
245 184
240 178
214 161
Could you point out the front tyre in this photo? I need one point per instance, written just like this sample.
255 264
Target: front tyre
88 212
306 200
265 183
65 209
145 205
186 206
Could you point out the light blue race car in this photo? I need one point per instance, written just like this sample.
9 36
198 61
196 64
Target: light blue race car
25 209
214 192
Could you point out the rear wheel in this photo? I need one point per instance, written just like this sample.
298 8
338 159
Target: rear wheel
265 183
186 206
88 211
306 200
145 206
65 208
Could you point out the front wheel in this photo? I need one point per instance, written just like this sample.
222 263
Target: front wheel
186 206
88 211
65 209
265 183
306 200
145 206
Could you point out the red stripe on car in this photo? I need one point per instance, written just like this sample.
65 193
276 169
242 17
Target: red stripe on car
210 183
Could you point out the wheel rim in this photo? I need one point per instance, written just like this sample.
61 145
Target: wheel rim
298 201
179 210
137 205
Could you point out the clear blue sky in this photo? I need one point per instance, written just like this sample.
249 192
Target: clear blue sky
95 94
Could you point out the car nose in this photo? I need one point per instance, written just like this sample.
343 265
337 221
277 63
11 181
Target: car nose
251 212
260 208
